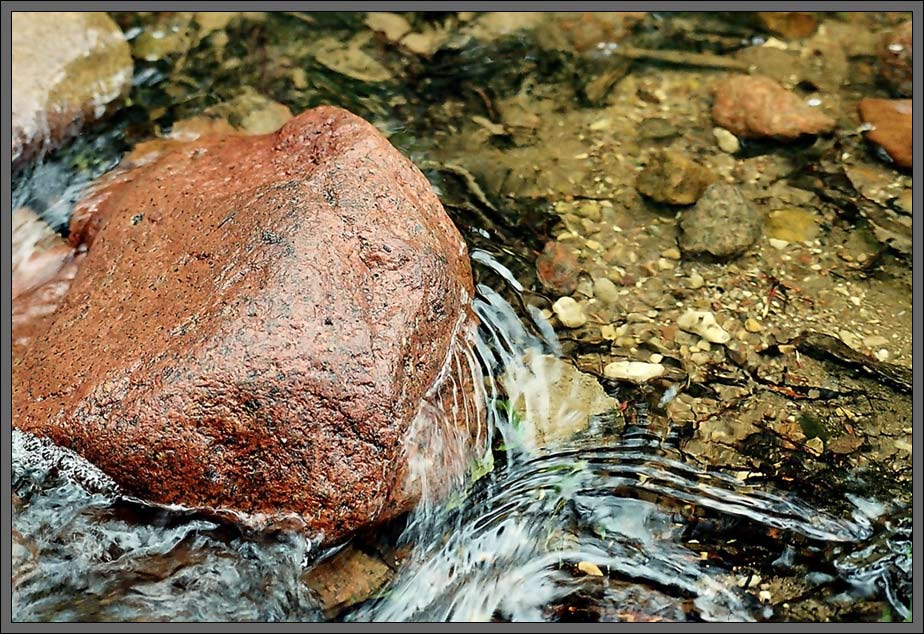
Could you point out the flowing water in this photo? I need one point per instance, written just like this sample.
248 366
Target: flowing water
565 514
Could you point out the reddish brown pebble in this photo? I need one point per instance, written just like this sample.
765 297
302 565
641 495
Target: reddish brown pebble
755 107
558 269
789 24
891 127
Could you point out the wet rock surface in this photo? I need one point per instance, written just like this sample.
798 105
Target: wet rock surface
756 107
349 577
560 402
722 224
43 266
36 251
66 71
255 337
674 179
891 123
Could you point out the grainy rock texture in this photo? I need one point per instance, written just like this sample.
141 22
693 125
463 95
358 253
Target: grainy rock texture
755 107
256 324
722 224
43 266
349 577
66 68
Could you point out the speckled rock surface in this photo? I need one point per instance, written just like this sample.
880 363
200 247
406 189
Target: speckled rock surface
43 266
891 121
255 325
755 107
721 225
66 68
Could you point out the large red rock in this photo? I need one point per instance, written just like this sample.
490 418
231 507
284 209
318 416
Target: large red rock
756 107
256 324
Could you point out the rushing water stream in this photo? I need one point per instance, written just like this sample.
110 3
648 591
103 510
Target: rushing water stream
569 514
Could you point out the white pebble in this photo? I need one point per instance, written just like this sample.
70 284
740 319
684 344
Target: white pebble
636 371
703 323
727 141
569 312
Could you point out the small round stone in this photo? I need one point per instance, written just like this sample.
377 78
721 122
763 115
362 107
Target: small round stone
726 141
569 312
605 291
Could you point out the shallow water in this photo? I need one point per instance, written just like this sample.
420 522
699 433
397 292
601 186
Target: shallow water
568 514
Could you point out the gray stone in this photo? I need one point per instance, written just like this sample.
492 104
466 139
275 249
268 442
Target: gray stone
722 224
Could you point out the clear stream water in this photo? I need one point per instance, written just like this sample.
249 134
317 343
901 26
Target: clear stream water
614 524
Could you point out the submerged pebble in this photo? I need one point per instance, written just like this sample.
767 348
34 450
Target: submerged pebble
722 224
703 323
792 224
673 178
557 268
636 371
891 127
755 107
569 312
605 290
726 141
